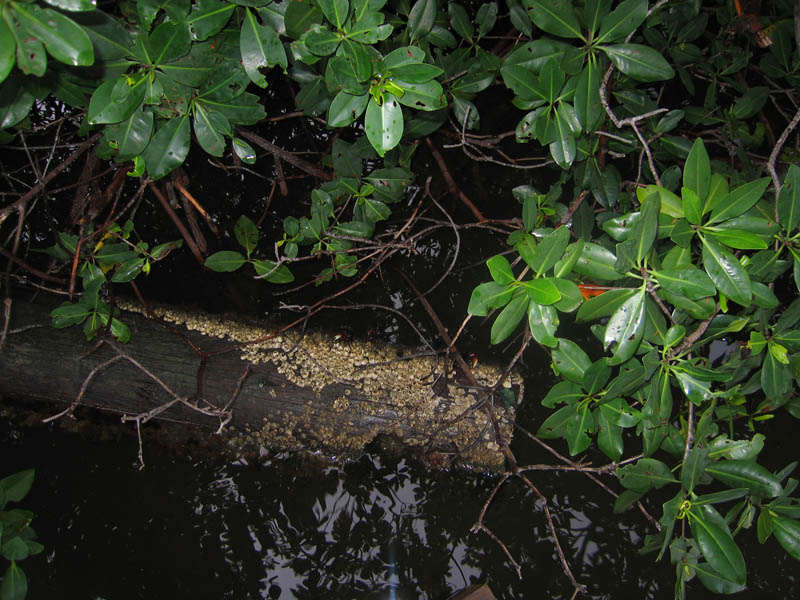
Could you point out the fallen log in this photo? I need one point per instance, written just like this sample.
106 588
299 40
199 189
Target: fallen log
288 390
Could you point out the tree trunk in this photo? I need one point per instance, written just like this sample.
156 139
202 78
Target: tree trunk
294 391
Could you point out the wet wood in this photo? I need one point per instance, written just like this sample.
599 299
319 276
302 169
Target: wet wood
311 391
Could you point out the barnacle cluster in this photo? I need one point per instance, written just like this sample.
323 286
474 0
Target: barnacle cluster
339 395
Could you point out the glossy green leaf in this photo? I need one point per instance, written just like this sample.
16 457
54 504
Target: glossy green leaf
644 474
422 96
542 291
564 392
763 297
788 199
346 108
746 474
556 17
625 328
31 56
8 50
550 250
623 20
587 97
563 149
168 42
384 124
739 200
691 205
619 413
644 232
738 239
225 261
717 544
604 305
242 110
500 269
210 130
106 106
543 322
713 581
336 11
272 272
597 262
68 314
299 16
787 532
694 467
609 437
578 427
360 59
460 20
416 72
246 233
486 17
776 378
688 281
370 28
596 376
639 62
745 449
697 171
571 297
168 148
131 136
726 272
487 296
656 412
421 18
65 40
508 319
260 48
243 151
570 360
208 17
555 425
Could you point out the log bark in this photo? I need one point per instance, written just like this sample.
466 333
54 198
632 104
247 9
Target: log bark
306 391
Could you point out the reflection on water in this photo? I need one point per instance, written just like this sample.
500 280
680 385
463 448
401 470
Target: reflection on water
285 527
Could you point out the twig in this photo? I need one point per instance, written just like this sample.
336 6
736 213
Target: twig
773 158
454 189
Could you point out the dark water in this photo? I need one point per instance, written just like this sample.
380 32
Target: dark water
194 525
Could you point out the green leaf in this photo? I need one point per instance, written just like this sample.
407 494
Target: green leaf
460 20
244 151
747 474
486 17
508 319
260 48
694 467
713 581
691 205
272 272
571 297
623 20
739 200
776 378
8 50
644 474
336 11
564 392
697 171
65 40
619 413
542 291
416 72
106 106
210 129
596 376
717 544
242 110
597 262
346 108
555 425
225 261
724 447
645 230
132 135
14 585
384 123
787 532
726 272
15 549
688 281
639 62
421 19
625 328
299 16
543 322
168 148
788 199
609 437
68 314
577 428
738 238
17 486
550 250
500 269
587 97
556 17
208 17
422 96
570 360
487 296
604 305
246 233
